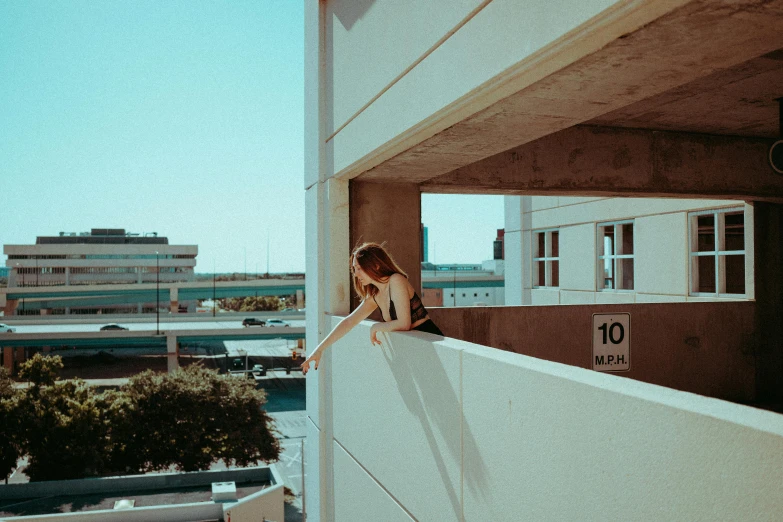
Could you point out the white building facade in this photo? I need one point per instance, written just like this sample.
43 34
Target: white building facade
569 250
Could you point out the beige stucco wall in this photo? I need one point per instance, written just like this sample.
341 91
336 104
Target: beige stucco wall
448 430
577 258
569 211
661 254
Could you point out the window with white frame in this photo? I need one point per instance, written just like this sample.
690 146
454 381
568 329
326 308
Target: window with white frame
717 252
615 256
546 259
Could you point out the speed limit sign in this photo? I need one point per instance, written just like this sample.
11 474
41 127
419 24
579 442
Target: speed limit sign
612 342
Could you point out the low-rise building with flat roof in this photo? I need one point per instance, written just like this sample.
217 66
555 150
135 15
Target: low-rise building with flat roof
101 256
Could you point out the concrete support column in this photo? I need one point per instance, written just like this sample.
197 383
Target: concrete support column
12 357
8 359
300 300
518 275
19 356
174 305
767 243
389 213
10 307
172 347
67 276
328 289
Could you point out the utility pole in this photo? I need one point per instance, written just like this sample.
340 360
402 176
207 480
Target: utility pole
157 293
214 300
454 294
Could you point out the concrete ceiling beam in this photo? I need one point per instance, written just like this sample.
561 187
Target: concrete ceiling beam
610 161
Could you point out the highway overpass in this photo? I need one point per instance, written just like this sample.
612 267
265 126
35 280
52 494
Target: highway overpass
13 344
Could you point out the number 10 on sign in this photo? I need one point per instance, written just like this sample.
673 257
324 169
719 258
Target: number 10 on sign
612 342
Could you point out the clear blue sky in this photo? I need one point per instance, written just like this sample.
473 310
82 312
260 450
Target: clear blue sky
179 117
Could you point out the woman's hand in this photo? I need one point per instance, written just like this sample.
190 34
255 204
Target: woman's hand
374 329
314 358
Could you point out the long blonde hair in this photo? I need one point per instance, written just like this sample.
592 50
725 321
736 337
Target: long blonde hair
377 263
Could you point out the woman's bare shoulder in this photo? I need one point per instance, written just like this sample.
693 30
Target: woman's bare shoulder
400 282
397 279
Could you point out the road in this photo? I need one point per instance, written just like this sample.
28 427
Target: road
146 326
272 347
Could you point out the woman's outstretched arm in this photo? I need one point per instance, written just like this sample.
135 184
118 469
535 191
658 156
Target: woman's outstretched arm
343 327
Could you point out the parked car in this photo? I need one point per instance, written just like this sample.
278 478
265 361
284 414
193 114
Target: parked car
288 310
4 328
259 369
112 326
252 321
277 322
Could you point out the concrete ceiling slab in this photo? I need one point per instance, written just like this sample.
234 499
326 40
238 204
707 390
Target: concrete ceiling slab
712 66
739 101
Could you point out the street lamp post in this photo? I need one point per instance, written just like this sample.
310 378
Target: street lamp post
214 300
157 293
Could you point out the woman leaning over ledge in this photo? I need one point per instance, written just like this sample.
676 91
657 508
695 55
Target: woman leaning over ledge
381 284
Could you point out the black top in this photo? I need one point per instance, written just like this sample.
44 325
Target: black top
418 311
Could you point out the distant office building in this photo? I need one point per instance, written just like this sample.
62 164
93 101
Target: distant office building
479 284
101 256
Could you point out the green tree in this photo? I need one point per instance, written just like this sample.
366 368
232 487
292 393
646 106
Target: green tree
268 303
188 420
122 446
41 370
6 383
192 418
64 431
9 423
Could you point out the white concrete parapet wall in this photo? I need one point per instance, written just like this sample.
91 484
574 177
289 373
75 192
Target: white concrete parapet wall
428 428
